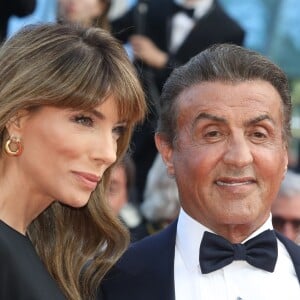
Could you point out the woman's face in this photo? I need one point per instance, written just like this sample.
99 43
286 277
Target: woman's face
80 11
66 152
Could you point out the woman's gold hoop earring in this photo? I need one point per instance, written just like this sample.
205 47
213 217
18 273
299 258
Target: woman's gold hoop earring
13 146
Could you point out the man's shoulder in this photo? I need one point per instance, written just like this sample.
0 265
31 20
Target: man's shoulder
145 251
145 271
144 256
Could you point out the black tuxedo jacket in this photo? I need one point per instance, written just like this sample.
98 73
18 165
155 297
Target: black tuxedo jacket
146 271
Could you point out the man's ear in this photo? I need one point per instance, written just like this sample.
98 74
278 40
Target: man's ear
15 124
166 152
286 162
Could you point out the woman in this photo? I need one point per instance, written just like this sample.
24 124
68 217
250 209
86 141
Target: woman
84 12
69 99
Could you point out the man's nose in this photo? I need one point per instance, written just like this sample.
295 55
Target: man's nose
238 152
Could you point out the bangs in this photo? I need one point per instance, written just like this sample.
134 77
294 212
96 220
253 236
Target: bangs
79 81
84 79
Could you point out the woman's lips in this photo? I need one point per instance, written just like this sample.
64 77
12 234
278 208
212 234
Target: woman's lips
88 179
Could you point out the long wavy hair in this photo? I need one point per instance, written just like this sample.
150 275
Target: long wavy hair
72 67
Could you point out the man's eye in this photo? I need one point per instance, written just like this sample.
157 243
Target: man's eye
84 120
259 135
213 133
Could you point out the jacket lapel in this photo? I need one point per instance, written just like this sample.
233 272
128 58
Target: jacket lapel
294 251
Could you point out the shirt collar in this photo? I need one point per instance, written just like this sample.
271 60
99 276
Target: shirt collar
201 7
189 236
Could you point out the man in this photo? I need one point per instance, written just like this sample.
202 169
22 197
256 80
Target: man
286 207
164 34
223 131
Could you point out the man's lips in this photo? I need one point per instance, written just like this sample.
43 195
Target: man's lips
234 181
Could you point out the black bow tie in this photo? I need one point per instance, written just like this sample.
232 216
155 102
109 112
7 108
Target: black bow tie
216 252
179 8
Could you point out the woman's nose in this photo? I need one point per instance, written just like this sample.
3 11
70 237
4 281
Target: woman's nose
105 149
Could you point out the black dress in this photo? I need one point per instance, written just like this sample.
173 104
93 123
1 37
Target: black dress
23 276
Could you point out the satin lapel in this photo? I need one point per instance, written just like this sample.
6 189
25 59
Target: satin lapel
293 250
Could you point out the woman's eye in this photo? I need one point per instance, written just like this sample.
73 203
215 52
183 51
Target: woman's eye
84 120
119 131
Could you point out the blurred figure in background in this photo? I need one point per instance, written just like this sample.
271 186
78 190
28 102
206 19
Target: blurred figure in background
119 7
121 196
286 207
44 12
161 201
9 8
84 12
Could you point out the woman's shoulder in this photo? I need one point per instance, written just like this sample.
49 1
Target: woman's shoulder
22 273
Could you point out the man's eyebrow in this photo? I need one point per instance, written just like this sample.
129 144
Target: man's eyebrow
259 119
207 116
204 115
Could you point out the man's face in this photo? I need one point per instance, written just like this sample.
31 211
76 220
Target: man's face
229 156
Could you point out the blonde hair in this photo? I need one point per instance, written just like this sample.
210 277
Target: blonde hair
72 67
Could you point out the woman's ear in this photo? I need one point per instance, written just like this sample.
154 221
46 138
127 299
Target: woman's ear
15 124
166 152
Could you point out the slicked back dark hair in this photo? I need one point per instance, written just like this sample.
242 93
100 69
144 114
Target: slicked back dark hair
225 63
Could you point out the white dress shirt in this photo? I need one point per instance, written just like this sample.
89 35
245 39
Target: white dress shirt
182 24
238 280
